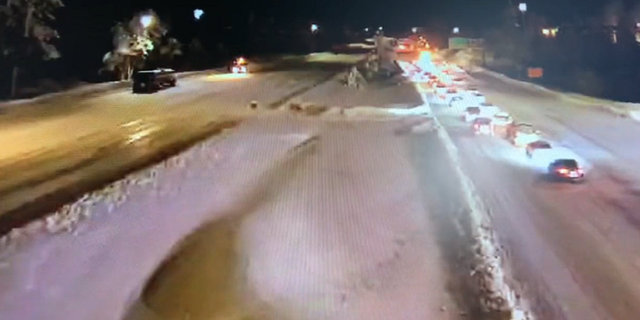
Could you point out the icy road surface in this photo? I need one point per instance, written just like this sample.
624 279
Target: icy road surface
309 220
59 147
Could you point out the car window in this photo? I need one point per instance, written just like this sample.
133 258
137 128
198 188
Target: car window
473 110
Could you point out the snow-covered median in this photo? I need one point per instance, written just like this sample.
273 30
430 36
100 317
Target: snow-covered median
335 204
91 258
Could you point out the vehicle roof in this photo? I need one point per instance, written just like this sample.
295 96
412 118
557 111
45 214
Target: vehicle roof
482 119
155 70
566 162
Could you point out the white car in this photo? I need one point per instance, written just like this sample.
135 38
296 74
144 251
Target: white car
479 97
524 134
533 147
465 99
458 81
482 126
502 119
444 95
488 109
471 113
472 89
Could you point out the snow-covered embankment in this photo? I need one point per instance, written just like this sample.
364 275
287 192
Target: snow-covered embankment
91 259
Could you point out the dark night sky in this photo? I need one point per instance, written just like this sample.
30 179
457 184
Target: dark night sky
84 25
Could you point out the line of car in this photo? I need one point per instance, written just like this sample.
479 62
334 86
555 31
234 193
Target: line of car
452 87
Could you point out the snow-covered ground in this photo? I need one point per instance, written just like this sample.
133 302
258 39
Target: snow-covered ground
329 230
290 216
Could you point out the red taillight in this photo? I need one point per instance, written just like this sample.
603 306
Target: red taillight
579 171
563 171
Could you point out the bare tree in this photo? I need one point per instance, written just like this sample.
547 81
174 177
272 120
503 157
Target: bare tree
26 31
135 40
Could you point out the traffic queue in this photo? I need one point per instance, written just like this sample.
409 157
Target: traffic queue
451 87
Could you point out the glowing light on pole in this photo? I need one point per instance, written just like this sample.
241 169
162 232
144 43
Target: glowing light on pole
414 29
456 30
314 28
146 21
197 13
522 7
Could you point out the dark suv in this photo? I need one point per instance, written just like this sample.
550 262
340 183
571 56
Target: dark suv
153 80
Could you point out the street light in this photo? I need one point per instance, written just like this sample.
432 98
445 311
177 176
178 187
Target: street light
197 13
314 28
366 29
146 20
456 30
380 28
414 29
522 7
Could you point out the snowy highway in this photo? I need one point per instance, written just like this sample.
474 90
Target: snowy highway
346 213
573 249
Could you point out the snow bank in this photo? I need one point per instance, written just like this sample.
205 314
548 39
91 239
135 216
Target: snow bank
141 218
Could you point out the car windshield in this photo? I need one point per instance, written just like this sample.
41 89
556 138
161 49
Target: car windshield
482 121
